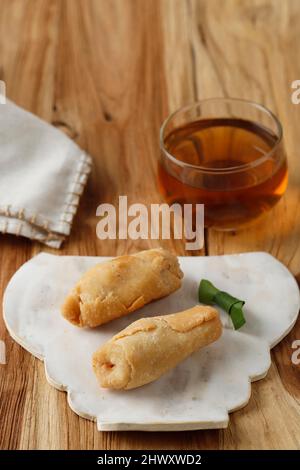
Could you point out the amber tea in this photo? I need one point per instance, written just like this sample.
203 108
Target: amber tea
235 167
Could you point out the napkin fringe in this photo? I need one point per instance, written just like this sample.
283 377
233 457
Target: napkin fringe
74 193
18 227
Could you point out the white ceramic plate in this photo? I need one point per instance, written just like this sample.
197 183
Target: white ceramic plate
200 392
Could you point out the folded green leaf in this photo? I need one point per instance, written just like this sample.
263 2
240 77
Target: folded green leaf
237 316
209 294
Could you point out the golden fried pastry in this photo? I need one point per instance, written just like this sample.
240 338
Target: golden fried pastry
122 285
149 347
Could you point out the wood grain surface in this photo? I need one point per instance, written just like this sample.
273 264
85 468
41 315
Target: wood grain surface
107 72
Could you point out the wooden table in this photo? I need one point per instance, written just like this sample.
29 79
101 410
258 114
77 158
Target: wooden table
108 72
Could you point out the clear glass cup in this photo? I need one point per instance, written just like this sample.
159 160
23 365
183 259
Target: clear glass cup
227 154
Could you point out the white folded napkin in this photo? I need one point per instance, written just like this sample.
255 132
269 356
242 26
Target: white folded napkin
42 176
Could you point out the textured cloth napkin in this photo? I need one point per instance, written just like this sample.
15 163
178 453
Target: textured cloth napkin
42 176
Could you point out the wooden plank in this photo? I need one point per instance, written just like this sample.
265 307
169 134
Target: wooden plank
108 73
247 52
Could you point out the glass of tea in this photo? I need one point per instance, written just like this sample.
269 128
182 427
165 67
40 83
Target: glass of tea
224 153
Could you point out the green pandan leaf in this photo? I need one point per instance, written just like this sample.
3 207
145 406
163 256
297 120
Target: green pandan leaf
209 294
